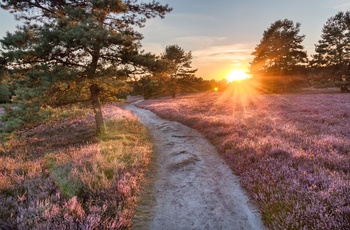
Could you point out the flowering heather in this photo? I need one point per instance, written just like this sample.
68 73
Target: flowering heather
61 176
292 151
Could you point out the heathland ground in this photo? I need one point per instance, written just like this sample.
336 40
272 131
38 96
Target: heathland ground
60 175
291 151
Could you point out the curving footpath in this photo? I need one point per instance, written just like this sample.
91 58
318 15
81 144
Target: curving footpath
194 188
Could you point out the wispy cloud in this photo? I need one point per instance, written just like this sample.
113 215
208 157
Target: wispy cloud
343 6
223 53
200 42
338 4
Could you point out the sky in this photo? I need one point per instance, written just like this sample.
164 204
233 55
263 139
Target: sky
222 34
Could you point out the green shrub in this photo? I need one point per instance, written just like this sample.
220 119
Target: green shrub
5 94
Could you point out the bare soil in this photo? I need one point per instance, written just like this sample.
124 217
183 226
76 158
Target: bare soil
193 186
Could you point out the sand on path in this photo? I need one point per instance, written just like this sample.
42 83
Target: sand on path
194 188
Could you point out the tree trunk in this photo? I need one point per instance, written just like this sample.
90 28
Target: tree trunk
173 89
100 124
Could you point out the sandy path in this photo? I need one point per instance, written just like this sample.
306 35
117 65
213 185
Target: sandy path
195 189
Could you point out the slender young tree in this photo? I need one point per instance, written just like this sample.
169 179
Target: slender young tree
279 52
76 50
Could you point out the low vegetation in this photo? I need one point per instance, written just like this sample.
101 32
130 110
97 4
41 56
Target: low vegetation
291 151
60 175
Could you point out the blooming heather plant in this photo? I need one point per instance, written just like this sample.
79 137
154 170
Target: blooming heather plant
292 152
61 176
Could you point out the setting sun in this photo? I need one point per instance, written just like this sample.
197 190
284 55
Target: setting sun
237 75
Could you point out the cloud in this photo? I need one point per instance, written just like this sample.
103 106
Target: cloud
343 6
337 4
199 42
224 53
188 43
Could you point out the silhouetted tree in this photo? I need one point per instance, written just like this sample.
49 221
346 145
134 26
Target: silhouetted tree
333 50
76 50
279 52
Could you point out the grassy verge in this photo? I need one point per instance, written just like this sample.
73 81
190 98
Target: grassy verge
146 205
59 175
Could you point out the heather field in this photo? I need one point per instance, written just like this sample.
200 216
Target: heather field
292 152
60 175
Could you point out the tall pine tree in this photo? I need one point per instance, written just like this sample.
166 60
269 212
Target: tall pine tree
76 50
333 50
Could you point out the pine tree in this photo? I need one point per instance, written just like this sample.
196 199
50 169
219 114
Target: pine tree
179 73
77 50
333 50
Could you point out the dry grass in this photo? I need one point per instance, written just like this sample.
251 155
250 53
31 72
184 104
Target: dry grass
61 176
292 151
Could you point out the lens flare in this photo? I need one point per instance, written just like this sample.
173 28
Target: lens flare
237 75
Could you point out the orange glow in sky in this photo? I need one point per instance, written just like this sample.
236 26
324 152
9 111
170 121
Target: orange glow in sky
237 75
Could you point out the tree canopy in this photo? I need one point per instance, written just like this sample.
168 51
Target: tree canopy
279 52
77 50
